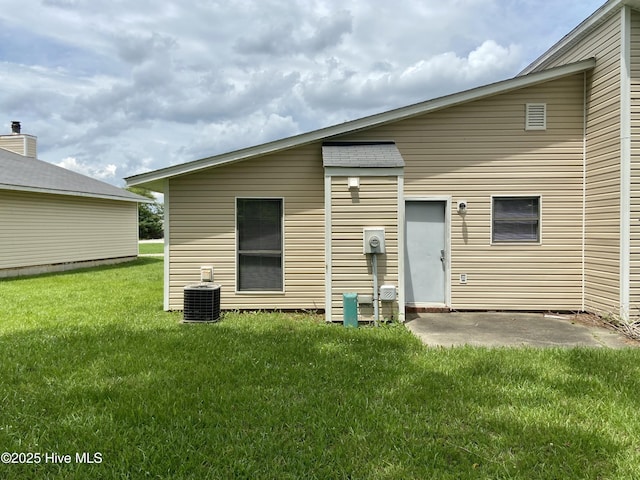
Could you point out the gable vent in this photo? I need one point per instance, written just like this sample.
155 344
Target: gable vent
536 116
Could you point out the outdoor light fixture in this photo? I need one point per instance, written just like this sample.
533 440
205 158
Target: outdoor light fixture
462 207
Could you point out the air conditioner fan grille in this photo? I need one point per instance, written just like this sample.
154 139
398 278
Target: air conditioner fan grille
202 303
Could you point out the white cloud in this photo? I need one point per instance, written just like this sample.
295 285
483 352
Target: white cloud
101 173
340 88
225 136
142 85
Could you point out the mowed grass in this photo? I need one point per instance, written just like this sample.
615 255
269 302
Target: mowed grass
150 248
90 363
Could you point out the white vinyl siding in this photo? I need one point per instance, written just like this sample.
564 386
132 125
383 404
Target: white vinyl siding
43 229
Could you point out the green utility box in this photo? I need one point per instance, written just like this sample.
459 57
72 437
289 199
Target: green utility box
350 309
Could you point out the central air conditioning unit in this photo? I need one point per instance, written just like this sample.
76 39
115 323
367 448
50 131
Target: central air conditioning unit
201 303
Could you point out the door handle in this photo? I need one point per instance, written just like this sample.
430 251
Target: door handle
442 255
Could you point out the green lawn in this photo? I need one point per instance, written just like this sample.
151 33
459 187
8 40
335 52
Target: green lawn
90 363
148 248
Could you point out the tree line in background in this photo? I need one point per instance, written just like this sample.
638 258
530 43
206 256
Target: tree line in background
150 215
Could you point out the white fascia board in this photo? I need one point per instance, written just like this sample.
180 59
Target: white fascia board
151 179
363 171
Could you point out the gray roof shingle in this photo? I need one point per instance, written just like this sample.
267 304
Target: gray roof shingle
361 155
18 172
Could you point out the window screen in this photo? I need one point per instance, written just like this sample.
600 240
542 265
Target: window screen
259 244
516 219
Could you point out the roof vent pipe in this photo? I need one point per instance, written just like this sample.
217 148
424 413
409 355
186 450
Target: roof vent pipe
15 128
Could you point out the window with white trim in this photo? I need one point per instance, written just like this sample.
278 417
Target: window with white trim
515 219
259 244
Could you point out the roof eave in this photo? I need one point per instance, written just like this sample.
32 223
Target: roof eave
51 191
154 179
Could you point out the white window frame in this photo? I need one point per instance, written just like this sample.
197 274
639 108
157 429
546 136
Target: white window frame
237 248
518 195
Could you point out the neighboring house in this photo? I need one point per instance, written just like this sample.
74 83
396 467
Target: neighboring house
53 219
519 195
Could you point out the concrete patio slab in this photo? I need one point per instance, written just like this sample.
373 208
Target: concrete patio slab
498 329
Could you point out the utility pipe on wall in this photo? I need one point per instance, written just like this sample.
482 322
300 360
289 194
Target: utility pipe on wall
373 244
374 270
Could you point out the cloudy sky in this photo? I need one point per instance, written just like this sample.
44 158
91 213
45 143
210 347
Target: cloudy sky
116 88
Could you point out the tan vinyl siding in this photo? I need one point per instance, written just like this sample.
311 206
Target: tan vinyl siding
31 146
202 227
602 253
20 144
43 229
481 149
13 143
470 152
374 204
635 164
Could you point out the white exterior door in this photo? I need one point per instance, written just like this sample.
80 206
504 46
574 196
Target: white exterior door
425 263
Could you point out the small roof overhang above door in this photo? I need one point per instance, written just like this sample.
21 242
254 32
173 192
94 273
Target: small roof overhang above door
361 155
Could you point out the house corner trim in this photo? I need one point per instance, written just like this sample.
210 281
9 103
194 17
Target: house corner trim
625 162
167 244
327 248
401 249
